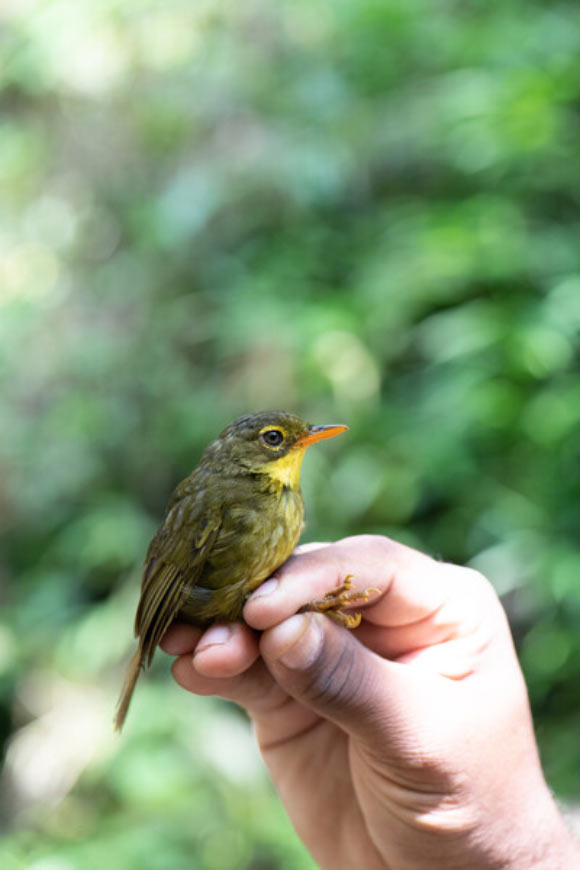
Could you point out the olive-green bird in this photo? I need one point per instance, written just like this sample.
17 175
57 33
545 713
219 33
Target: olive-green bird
227 527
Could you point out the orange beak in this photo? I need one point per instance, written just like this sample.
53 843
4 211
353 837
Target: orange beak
319 433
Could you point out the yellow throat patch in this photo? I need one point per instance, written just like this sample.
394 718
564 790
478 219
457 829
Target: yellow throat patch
286 470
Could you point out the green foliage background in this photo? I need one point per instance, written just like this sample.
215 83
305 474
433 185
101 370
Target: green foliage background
362 211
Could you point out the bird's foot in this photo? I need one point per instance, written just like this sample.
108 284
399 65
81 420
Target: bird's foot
343 596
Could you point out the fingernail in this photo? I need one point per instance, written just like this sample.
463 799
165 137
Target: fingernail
301 639
266 588
215 636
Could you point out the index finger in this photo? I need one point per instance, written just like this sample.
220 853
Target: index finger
423 602
408 576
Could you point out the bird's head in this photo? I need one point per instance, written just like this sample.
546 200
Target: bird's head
270 442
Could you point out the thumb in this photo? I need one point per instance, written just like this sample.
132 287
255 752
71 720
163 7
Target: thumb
328 670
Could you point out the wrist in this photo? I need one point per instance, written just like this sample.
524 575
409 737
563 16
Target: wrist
534 839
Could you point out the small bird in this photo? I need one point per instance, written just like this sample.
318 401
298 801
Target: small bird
227 528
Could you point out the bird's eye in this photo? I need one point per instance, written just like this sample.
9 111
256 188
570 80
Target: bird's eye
272 437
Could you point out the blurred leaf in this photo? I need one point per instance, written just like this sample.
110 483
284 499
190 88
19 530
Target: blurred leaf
365 212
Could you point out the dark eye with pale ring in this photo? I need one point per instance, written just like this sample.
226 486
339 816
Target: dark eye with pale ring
273 437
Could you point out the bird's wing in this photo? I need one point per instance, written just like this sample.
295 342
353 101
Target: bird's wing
174 562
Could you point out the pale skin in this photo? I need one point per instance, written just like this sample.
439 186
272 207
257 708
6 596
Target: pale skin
406 744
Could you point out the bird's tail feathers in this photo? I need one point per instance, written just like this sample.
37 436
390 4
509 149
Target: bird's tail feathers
133 672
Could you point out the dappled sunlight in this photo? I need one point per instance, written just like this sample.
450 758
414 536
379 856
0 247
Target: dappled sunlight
365 213
348 365
45 758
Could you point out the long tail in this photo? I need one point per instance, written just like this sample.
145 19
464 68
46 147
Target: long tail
133 672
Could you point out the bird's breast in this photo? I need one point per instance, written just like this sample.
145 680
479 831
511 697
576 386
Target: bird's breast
278 538
256 536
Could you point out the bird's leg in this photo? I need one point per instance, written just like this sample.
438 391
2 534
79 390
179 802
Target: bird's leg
343 596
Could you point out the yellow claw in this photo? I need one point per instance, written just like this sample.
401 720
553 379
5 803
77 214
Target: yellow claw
343 596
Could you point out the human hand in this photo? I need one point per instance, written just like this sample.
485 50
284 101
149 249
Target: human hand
407 743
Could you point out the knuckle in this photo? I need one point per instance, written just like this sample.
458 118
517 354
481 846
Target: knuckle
479 585
468 578
368 541
475 577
